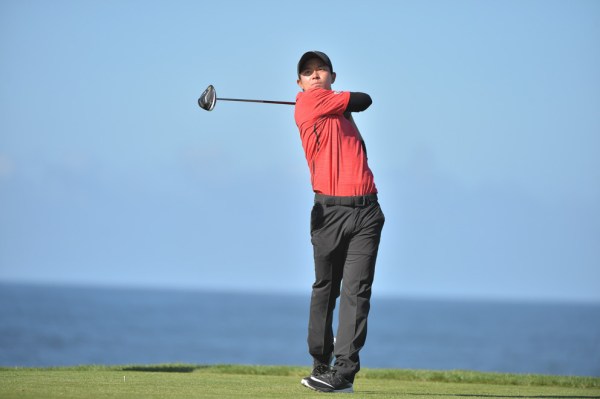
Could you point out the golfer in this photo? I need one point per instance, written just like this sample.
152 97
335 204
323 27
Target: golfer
346 222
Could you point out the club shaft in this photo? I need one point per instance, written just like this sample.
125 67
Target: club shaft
256 101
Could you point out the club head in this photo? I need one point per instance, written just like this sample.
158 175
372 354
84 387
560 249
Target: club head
208 99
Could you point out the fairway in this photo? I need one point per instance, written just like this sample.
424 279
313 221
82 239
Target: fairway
191 381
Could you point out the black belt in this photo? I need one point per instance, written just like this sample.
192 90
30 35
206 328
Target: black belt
360 200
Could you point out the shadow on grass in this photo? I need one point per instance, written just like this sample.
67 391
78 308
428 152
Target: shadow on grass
167 368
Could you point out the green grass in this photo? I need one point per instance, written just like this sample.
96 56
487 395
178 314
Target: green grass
233 381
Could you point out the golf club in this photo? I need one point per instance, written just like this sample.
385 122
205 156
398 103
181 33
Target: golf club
208 99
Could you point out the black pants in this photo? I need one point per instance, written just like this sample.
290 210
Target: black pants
345 241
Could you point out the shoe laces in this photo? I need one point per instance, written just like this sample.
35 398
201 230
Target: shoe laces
334 376
321 369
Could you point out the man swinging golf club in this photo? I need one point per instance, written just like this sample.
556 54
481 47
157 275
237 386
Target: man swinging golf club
346 222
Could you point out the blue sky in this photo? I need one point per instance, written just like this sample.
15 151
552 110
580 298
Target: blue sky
484 137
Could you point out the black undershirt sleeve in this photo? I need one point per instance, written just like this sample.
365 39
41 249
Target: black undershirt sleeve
358 102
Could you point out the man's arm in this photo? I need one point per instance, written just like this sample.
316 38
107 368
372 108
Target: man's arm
358 102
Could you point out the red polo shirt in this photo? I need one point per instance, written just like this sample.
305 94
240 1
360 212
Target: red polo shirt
336 158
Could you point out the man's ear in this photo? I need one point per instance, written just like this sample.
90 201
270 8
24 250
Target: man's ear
333 75
300 84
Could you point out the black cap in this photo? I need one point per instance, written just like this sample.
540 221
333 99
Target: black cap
314 54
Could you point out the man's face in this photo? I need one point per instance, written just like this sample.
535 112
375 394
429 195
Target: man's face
315 74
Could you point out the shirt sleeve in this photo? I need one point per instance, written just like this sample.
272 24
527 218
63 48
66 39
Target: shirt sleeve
327 102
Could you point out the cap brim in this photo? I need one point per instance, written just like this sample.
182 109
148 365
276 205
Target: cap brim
313 54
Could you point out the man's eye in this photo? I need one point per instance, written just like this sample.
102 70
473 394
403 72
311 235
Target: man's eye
309 71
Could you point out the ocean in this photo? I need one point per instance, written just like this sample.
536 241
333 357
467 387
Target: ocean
66 325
